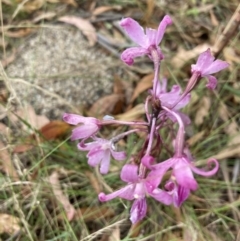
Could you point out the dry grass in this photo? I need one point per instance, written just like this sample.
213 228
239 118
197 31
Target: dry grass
38 207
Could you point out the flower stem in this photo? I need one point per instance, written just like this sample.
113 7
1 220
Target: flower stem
179 142
191 84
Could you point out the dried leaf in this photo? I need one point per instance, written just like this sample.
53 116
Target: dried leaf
7 164
29 6
3 129
183 56
232 151
70 2
50 131
84 25
94 213
44 16
213 17
107 105
23 148
9 59
28 114
203 110
144 84
133 114
103 9
196 138
232 128
19 33
149 10
118 86
115 234
54 129
192 231
236 86
231 56
135 230
9 224
94 182
7 2
60 196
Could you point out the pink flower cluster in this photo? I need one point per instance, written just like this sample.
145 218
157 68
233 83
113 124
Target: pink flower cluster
144 175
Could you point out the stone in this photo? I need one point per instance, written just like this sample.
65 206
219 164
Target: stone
57 60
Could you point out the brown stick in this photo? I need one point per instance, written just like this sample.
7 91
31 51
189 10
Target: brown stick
228 32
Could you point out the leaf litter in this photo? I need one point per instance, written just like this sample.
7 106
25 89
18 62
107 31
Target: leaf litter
137 112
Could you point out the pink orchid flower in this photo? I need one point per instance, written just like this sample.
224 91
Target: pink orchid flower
179 194
207 66
182 173
151 39
137 188
89 125
167 99
100 151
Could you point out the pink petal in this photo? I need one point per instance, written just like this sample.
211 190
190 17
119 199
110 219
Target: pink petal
161 196
151 36
164 85
134 31
215 67
205 59
147 161
180 195
183 102
138 210
128 194
104 166
87 146
207 173
129 54
161 28
161 87
83 131
129 173
165 165
119 193
212 82
185 119
183 174
118 155
155 176
170 98
73 119
95 156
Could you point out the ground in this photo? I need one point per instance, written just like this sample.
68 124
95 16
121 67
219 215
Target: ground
64 56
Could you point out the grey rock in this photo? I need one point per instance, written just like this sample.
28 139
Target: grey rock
59 60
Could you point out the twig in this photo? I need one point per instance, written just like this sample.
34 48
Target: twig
228 32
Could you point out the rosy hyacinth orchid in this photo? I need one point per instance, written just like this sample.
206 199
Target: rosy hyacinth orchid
136 189
182 174
206 66
167 99
89 125
100 151
146 41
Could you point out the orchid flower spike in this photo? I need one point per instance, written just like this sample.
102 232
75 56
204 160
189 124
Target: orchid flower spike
146 41
206 65
89 125
100 151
